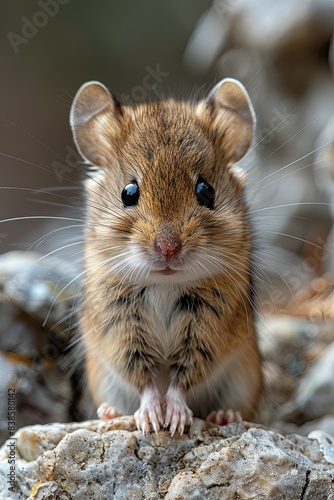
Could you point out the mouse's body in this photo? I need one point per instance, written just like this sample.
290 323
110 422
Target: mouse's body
168 310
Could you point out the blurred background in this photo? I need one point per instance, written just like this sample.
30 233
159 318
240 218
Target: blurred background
282 51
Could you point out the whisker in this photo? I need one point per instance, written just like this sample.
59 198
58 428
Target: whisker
47 217
285 205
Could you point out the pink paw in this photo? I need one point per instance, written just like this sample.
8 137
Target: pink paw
149 411
222 417
106 412
178 415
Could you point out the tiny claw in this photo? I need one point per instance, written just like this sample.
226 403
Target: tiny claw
142 423
145 429
168 417
149 411
178 415
172 428
238 416
156 420
182 421
229 416
212 417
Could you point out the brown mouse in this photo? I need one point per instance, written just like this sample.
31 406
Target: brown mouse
168 307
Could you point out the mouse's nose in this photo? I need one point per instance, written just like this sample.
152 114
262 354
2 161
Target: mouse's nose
169 246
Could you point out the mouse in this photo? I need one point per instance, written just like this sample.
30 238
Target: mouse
168 313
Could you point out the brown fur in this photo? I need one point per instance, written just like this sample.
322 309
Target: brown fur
200 332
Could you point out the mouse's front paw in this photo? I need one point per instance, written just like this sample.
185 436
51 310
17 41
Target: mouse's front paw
222 417
149 411
106 412
178 415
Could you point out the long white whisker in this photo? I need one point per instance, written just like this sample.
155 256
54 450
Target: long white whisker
285 205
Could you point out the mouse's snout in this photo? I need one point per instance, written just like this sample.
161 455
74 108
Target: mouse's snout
167 240
168 246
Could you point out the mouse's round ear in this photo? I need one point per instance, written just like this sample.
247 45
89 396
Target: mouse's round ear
94 117
232 117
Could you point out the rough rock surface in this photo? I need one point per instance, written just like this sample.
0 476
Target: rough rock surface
37 360
112 460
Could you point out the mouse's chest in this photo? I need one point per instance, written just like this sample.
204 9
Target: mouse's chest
161 306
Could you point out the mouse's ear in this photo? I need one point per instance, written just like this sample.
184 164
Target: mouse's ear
94 118
232 117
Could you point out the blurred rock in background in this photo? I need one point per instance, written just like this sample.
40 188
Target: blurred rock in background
40 358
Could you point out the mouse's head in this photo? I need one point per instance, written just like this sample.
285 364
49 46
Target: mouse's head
166 205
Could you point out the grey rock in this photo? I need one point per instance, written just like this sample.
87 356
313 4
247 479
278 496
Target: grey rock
112 460
50 491
326 443
315 394
314 397
39 358
324 424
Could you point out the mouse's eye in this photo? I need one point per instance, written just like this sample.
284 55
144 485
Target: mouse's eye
130 194
205 193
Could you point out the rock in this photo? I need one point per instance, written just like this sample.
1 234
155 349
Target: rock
326 443
325 424
112 460
317 301
298 371
314 396
39 361
50 491
41 286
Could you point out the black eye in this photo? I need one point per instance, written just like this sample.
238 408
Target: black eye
130 194
205 193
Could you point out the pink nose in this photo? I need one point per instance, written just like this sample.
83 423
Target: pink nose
169 247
